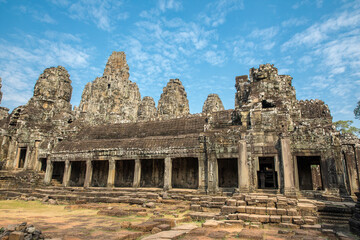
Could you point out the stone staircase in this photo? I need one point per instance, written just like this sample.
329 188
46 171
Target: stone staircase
259 208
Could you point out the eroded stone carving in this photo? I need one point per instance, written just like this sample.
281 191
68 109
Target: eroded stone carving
213 103
147 109
112 98
173 101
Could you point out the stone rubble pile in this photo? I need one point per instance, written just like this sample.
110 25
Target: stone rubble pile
21 231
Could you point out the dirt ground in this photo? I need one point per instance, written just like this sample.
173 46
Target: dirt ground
87 221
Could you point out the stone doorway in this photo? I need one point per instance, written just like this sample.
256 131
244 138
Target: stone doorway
100 173
22 157
185 173
77 175
309 171
124 173
43 162
267 176
228 172
152 173
58 171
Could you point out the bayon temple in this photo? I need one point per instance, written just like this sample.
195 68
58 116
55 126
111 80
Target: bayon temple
271 145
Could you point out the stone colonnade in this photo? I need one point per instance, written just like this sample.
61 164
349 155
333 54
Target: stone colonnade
209 184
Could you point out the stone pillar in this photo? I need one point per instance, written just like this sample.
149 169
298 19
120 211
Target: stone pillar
137 173
288 166
201 173
111 175
357 162
88 175
67 173
49 172
243 168
168 173
212 173
37 166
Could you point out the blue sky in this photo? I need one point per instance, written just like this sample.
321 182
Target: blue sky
203 43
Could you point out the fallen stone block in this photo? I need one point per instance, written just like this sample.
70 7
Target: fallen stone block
211 223
16 235
168 221
145 226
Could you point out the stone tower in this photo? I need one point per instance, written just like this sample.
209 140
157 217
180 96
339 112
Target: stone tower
213 103
147 109
112 98
173 101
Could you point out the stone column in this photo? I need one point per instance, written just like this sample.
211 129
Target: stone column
243 168
137 173
67 173
49 172
288 166
88 175
357 162
111 175
168 173
37 166
212 173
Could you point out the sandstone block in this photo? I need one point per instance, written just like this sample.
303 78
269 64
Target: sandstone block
281 211
275 219
271 211
243 216
241 203
16 236
231 202
260 210
228 209
195 207
250 210
291 212
286 219
241 209
232 217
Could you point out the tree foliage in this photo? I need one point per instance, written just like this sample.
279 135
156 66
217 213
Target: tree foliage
345 127
357 111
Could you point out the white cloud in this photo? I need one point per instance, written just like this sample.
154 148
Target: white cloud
215 58
39 16
217 11
45 18
266 33
317 3
103 13
320 32
169 4
294 22
20 66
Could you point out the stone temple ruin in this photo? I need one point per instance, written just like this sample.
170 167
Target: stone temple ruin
271 146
